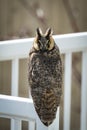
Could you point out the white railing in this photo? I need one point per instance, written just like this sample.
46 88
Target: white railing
21 108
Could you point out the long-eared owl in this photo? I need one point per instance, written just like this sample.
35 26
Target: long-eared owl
45 76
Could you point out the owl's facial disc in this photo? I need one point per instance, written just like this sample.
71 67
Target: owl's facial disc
43 44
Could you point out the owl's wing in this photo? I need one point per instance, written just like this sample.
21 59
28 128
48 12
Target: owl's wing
29 68
30 64
59 71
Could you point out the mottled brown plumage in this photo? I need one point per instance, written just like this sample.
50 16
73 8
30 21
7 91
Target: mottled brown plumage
45 76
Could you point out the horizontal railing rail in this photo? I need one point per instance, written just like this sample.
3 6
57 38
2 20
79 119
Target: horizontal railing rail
20 48
22 109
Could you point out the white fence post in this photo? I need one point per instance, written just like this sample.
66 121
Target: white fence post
15 124
15 77
31 125
84 92
67 90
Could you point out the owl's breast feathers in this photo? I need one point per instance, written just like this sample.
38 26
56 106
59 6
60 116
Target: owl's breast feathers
45 80
45 68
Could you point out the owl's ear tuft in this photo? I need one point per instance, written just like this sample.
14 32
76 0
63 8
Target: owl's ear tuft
49 32
38 32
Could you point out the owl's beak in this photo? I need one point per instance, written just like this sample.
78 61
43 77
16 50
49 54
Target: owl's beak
44 49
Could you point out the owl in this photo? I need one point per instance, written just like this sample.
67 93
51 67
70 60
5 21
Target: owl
45 76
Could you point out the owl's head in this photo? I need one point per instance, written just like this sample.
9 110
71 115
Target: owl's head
43 42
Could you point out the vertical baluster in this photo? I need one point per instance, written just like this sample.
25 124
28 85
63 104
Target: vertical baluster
15 74
15 124
39 124
31 125
84 92
67 90
55 124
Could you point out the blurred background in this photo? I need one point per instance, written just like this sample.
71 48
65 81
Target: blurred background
19 19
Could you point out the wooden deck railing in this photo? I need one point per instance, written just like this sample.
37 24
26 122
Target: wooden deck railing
21 108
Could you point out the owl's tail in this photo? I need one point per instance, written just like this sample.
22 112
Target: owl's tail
48 107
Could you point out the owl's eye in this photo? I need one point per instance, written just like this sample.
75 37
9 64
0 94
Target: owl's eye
39 43
47 44
50 43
